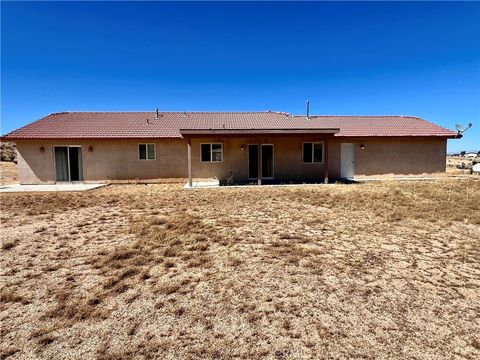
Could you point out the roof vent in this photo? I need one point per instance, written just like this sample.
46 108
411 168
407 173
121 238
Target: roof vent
157 115
308 109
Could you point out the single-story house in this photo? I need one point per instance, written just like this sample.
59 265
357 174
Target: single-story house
243 146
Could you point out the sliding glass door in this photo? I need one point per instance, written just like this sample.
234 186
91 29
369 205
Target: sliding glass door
266 161
68 163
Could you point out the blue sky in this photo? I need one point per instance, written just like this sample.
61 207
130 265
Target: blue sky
418 59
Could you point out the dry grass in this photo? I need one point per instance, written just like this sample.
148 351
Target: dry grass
8 173
384 270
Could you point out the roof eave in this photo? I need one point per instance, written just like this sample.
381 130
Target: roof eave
446 136
190 132
49 138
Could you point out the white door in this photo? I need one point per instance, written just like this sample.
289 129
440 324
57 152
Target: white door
347 161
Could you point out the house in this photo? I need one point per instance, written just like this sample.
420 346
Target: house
246 146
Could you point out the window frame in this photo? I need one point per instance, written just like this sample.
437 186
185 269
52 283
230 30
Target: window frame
211 158
146 151
313 152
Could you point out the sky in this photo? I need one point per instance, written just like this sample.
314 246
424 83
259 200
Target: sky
393 58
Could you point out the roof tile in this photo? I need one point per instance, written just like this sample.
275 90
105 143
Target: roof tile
130 125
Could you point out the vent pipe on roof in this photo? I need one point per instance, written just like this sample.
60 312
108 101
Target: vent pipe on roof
156 110
308 109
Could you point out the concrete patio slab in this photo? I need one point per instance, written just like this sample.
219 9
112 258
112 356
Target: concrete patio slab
13 188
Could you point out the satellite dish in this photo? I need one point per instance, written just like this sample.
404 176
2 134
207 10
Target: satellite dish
461 129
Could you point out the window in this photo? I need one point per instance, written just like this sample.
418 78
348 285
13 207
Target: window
211 153
146 151
312 152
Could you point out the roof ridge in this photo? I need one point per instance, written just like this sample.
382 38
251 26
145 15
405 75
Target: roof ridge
367 116
173 112
234 112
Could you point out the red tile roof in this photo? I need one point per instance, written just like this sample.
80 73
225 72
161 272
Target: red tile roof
366 126
130 125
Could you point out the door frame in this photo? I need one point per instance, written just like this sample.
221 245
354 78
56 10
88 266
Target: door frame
352 146
259 155
273 161
68 163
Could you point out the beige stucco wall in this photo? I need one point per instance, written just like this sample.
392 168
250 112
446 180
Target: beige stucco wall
109 160
118 160
287 159
393 156
379 157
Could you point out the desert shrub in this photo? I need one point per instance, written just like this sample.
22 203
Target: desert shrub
10 296
72 308
8 352
7 245
8 152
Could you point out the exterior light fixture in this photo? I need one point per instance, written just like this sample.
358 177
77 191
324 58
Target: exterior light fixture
362 146
42 149
242 147
90 149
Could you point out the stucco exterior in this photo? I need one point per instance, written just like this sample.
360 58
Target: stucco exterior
401 157
118 159
108 160
288 163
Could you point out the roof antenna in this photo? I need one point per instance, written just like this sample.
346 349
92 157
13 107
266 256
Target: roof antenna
156 110
461 129
308 109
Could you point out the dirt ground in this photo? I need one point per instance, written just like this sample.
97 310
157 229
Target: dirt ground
8 173
379 270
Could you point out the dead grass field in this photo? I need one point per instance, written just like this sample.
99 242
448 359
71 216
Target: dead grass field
380 270
8 173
